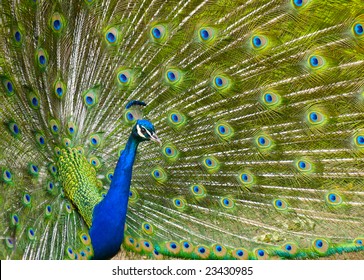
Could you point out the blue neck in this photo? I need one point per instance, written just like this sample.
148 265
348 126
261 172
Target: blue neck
107 230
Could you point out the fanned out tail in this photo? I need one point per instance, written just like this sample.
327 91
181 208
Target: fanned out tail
259 105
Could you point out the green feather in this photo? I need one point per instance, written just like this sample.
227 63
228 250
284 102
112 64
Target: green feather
259 106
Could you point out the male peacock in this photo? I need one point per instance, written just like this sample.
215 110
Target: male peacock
259 105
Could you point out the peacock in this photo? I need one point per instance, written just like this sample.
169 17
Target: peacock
259 110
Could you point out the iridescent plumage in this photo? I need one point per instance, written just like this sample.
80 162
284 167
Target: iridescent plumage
259 105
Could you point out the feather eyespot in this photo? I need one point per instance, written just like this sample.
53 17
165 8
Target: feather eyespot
220 82
261 254
202 251
359 140
95 162
147 228
358 29
71 128
315 61
211 164
219 250
40 138
198 190
263 142
7 176
206 34
333 199
91 98
31 234
173 76
17 36
27 199
89 2
109 176
8 86
170 152
224 131
159 174
33 100
299 3
187 246
320 245
227 202
240 253
158 32
124 77
130 116
70 253
315 117
54 126
146 245
60 89
57 23
179 203
359 242
52 169
48 211
304 165
290 248
133 195
14 220
9 242
280 204
176 119
173 247
14 129
50 186
111 36
95 140
42 58
246 178
259 42
68 208
33 169
67 142
85 238
271 99
57 151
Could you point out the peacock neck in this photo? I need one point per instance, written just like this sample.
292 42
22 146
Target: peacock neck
109 215
125 163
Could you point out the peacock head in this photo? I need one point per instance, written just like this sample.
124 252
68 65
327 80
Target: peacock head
144 130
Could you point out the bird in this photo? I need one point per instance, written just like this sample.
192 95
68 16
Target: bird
258 107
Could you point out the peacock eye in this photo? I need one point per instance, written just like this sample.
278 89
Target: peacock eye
143 130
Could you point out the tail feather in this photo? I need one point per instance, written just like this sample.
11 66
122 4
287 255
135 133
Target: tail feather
258 104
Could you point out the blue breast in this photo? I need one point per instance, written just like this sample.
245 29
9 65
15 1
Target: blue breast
107 230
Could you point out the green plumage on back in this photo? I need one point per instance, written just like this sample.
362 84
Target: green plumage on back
259 105
79 182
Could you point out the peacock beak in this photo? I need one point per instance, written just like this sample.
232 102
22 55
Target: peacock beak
155 138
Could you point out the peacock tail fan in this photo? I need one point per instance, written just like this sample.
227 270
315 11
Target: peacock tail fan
259 106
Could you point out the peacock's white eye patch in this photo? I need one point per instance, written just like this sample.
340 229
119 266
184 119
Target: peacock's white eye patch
141 130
